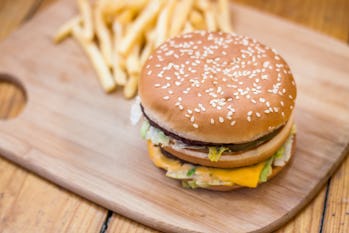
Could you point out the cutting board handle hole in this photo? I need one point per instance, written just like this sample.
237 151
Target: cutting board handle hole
13 97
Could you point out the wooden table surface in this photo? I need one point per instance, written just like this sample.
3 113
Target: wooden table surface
29 203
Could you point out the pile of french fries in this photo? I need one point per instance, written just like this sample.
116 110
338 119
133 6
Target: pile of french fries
119 35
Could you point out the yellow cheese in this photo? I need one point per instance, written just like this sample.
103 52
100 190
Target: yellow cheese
245 176
160 160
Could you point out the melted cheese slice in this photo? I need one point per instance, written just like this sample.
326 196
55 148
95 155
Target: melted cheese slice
245 176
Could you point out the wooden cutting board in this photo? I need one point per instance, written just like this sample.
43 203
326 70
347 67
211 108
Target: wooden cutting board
76 136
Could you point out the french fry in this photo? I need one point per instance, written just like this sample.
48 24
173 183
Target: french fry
111 8
86 14
137 5
163 22
223 17
103 72
180 15
126 16
132 61
130 89
118 61
210 19
133 69
149 46
104 37
66 29
209 13
188 27
197 20
137 27
202 4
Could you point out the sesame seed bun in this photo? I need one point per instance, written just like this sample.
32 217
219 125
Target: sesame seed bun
241 159
217 87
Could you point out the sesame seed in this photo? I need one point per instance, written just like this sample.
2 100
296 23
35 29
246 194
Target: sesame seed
249 119
232 123
266 64
196 126
166 97
264 76
258 114
221 119
192 118
212 121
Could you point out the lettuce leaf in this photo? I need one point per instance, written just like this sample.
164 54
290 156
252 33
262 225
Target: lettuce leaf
215 153
266 170
144 129
157 136
191 184
191 172
280 152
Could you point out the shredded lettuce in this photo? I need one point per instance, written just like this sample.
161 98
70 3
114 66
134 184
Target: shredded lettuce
191 172
280 152
215 153
191 184
144 129
277 157
157 136
266 170
136 112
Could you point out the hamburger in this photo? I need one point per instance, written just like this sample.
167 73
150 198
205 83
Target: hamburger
218 110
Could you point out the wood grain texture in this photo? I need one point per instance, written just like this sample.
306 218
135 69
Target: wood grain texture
83 138
337 209
327 16
300 223
29 203
13 12
308 220
121 224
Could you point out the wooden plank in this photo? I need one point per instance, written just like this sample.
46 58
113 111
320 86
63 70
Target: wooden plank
308 220
84 139
337 209
121 224
29 203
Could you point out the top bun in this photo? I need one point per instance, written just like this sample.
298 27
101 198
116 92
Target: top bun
217 87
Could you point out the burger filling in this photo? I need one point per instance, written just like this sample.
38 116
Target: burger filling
199 176
151 131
